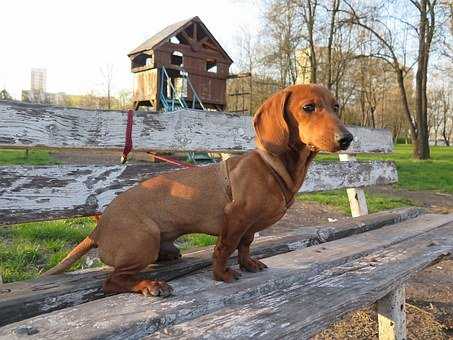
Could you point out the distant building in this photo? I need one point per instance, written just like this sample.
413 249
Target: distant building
38 79
37 93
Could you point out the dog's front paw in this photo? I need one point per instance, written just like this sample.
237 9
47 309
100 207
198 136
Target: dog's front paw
251 265
228 275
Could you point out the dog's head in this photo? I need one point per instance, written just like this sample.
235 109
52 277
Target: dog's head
297 115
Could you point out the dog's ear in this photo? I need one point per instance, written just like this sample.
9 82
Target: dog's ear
272 132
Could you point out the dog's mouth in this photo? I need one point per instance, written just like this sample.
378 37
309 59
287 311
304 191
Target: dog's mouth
312 148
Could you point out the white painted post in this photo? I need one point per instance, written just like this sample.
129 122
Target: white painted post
225 155
392 315
357 200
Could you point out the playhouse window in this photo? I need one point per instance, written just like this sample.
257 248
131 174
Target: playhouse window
211 66
176 58
174 40
142 60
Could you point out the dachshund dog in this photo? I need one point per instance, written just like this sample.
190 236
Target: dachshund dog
232 199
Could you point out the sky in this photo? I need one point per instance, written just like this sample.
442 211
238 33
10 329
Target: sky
74 39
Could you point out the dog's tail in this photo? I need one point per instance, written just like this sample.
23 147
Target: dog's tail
81 249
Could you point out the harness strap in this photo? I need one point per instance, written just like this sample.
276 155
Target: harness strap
283 179
225 173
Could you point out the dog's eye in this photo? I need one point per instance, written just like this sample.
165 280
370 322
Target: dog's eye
309 108
336 108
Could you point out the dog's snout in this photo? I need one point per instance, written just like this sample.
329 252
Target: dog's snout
344 140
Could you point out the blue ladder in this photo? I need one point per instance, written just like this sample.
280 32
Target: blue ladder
178 102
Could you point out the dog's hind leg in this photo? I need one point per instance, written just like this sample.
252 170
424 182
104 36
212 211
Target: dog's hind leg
168 251
125 279
140 249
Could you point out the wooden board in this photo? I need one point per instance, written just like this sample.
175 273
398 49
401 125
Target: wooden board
21 300
300 293
186 130
31 193
296 310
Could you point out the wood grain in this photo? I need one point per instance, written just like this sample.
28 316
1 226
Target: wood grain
32 193
26 124
301 308
299 294
21 300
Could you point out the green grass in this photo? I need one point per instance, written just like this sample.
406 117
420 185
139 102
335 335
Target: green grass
28 249
339 200
35 156
196 241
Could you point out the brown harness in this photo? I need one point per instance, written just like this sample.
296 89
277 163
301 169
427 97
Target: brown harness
281 176
287 193
225 173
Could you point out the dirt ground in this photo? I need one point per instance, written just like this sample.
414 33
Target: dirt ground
429 293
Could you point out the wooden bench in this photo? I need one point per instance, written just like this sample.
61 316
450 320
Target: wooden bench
315 275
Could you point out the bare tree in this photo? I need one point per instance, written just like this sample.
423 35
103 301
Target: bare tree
281 40
107 75
395 55
308 11
334 10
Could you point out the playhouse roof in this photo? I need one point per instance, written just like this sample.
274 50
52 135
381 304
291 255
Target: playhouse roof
172 30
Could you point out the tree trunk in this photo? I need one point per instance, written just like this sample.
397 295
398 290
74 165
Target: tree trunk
407 110
335 6
422 151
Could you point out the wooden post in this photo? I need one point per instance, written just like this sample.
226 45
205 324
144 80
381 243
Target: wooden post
357 200
392 315
225 155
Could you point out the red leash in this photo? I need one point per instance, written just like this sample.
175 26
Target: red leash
128 139
172 160
128 145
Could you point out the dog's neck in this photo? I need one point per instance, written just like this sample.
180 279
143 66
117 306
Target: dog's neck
291 166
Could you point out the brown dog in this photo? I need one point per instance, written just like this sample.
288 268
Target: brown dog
233 199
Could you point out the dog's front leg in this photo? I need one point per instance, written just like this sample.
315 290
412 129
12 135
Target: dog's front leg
236 223
245 260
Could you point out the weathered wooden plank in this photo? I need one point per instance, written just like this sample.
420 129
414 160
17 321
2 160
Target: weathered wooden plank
304 290
21 300
29 193
300 309
392 315
186 130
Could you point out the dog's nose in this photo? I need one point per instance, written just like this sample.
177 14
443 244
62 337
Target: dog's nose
344 140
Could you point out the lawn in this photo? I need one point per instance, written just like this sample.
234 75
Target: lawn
28 249
339 200
34 156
